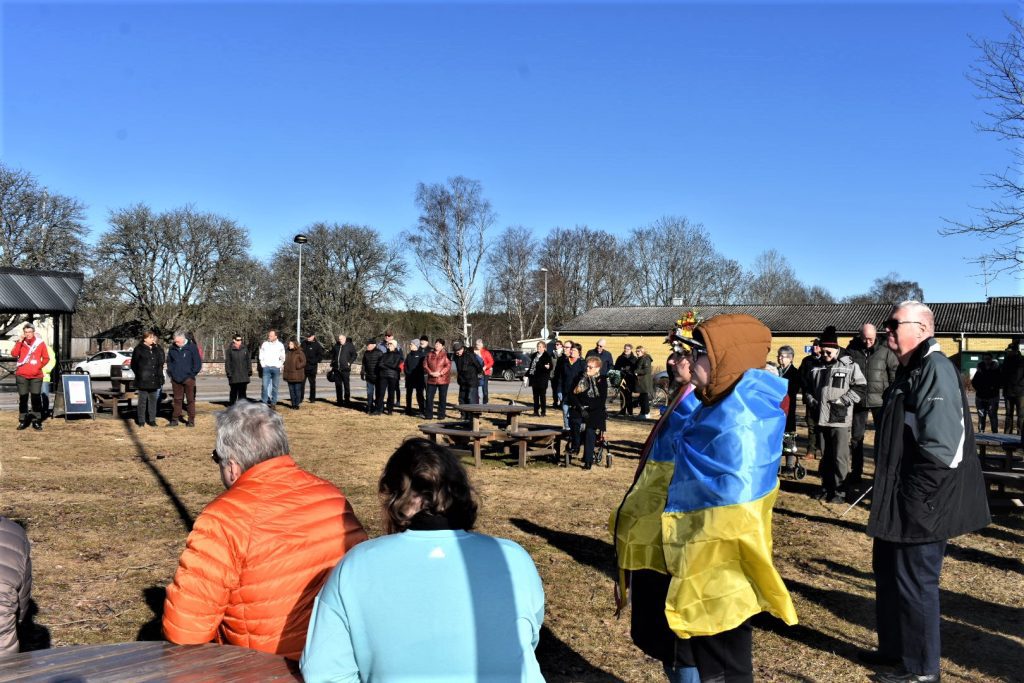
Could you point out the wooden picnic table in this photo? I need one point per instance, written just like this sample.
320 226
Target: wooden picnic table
148 661
1007 443
511 412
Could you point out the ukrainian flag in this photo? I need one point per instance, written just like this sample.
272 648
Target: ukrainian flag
714 471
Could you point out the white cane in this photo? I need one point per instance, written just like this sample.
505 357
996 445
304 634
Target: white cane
857 501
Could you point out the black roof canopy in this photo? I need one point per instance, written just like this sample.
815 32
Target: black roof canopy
51 292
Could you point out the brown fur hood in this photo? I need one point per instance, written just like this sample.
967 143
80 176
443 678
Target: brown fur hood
735 343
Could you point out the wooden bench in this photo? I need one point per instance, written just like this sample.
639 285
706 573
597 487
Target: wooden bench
120 390
458 437
1003 480
545 439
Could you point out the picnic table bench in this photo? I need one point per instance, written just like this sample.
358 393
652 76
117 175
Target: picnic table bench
997 484
459 437
147 661
544 439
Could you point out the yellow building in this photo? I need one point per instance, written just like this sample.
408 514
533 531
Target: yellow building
960 328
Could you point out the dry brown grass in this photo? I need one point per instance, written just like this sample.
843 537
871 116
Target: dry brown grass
105 509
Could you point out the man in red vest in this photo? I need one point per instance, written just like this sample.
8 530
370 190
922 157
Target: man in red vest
31 355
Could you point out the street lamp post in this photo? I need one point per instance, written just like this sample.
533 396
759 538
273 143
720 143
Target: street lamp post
544 332
299 240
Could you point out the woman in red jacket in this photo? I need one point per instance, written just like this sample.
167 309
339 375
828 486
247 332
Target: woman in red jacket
31 354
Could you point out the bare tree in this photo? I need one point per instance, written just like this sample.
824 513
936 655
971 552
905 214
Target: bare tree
772 280
512 289
889 289
38 228
348 272
169 265
450 241
999 76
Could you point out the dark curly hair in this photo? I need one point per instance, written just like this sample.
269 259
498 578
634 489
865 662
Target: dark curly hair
423 470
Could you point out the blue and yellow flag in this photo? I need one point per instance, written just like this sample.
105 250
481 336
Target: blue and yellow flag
701 509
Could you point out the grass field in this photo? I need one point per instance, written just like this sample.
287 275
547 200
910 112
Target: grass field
107 508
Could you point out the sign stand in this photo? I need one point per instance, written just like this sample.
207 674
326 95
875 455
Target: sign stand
77 395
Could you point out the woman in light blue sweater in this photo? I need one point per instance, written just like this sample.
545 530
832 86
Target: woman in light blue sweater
431 601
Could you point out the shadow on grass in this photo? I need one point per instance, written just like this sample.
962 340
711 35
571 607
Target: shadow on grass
153 629
140 450
559 662
32 636
834 521
583 549
1006 564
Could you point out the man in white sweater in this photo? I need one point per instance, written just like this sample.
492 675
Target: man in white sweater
271 360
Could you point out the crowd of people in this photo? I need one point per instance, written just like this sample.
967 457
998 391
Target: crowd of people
432 599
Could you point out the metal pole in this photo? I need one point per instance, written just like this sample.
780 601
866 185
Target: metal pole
298 302
545 332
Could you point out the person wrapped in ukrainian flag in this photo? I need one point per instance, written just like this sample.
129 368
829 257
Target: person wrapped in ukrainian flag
693 534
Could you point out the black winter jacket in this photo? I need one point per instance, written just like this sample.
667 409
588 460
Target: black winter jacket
314 354
371 363
414 376
343 356
390 365
238 365
928 483
881 372
987 381
1013 375
468 368
148 366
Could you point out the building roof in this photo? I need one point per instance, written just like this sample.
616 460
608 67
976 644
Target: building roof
39 291
996 317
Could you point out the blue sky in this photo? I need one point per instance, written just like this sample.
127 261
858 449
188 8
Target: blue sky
840 134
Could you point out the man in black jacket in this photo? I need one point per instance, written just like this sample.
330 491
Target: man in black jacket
148 366
343 355
368 372
415 380
807 365
1013 388
987 380
928 488
860 349
314 353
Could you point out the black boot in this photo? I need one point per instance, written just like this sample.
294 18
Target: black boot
25 421
37 424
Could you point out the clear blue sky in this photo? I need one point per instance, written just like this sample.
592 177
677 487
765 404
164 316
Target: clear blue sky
840 134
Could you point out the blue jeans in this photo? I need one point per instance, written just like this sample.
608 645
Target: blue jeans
681 674
565 414
371 396
271 378
483 389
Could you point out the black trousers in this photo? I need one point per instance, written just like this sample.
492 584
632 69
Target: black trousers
645 403
540 388
410 388
442 400
342 388
726 657
469 394
311 379
860 426
237 392
386 389
29 388
907 602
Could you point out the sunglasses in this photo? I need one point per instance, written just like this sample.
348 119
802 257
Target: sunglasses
892 324
216 457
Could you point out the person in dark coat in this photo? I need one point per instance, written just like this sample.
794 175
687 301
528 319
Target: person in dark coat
148 366
557 354
601 351
987 380
860 349
368 373
806 370
539 373
238 368
1013 388
644 370
294 372
788 372
573 368
626 364
468 368
388 373
183 365
343 355
415 379
315 355
588 401
928 489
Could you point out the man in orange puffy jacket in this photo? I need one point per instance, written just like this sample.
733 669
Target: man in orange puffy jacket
31 355
260 552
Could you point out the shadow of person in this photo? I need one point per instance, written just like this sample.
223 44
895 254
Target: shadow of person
583 549
140 450
559 662
33 636
153 629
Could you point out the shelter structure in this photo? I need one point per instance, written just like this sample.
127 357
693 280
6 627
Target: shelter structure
27 294
960 328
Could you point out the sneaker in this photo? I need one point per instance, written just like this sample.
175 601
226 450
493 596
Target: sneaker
190 423
172 423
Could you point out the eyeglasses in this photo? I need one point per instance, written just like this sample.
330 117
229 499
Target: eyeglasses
892 324
216 457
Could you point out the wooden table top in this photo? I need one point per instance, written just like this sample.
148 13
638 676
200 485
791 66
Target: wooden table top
498 408
1002 440
148 661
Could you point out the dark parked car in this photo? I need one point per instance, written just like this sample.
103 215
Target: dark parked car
509 364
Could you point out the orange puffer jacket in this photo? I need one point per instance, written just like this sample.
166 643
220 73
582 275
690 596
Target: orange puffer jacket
256 559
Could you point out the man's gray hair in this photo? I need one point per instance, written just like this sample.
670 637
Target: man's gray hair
480 342
180 334
927 317
787 351
250 432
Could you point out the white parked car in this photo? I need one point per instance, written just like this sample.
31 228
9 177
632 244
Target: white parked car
98 366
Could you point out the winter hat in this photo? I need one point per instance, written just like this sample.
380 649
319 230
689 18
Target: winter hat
425 338
829 339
